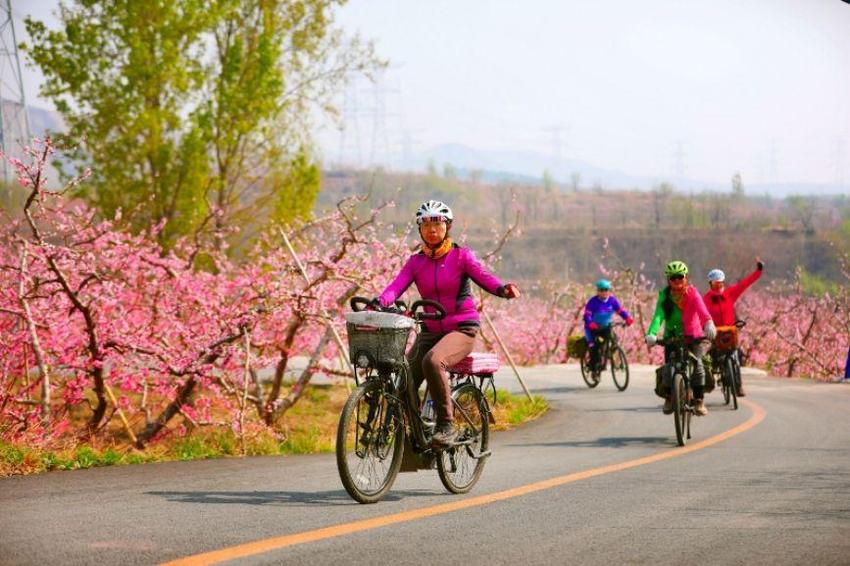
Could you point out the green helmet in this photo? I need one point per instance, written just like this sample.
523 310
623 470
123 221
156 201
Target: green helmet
675 268
603 285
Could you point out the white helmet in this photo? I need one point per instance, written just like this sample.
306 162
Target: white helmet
434 209
716 275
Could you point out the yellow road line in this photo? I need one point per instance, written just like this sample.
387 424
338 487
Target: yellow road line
274 543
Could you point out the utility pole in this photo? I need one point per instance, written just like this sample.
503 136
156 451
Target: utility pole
557 144
349 133
14 121
380 136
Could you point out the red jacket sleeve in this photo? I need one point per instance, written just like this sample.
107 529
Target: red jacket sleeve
734 291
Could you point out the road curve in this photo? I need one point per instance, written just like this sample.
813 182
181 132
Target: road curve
598 480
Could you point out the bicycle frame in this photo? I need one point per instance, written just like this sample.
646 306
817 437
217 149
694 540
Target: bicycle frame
385 407
681 362
607 345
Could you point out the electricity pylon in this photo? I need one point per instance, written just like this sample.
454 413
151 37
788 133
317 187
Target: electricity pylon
14 121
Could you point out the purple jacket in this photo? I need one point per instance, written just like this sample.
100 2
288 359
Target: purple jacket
445 280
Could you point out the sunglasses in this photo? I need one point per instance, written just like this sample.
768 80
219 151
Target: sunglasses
675 277
432 222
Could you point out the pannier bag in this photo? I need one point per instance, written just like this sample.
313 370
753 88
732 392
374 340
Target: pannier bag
377 339
663 381
710 381
727 338
576 346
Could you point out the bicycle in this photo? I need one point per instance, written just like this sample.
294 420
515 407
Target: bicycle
681 364
381 430
612 355
726 361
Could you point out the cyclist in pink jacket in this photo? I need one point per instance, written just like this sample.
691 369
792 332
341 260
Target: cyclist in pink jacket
681 310
442 272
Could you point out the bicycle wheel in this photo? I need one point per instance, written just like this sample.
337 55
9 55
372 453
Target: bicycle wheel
680 408
726 379
591 380
369 443
736 381
619 368
460 466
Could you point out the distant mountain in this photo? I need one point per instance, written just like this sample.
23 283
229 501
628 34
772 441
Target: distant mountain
527 165
42 120
782 190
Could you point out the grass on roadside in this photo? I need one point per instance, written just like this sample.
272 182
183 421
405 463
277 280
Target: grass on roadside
513 410
308 427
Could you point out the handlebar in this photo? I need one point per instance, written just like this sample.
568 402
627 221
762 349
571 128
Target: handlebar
439 315
356 301
362 303
672 341
400 307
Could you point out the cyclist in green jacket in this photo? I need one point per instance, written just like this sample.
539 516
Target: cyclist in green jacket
682 311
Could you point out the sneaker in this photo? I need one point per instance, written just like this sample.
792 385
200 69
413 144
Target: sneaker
444 435
668 405
699 408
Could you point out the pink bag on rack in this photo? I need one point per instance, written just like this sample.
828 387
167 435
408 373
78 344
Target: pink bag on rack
477 363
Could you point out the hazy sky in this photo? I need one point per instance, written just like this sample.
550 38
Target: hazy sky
756 86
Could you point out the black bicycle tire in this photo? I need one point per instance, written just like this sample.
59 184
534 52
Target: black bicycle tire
680 408
618 351
728 379
586 374
444 458
345 473
736 383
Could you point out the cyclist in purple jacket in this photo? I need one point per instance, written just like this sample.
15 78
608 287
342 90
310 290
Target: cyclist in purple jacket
598 312
442 271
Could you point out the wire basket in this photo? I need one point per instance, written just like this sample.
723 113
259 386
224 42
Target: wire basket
377 339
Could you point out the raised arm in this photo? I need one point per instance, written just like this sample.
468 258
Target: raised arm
736 290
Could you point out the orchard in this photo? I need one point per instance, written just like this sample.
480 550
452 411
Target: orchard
105 332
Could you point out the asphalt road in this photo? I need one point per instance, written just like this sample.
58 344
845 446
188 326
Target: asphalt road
778 493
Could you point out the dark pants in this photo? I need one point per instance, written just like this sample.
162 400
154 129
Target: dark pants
596 345
430 357
698 348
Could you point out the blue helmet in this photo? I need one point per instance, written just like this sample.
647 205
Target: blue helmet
603 285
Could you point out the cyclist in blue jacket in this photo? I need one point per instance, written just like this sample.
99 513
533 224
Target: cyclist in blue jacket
598 312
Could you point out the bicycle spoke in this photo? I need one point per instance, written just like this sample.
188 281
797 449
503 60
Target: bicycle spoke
368 444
